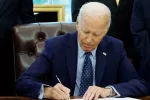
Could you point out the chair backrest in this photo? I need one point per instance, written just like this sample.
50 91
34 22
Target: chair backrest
28 41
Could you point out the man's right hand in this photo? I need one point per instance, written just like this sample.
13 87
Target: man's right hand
58 92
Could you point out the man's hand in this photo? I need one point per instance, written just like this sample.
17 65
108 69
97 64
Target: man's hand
58 92
95 92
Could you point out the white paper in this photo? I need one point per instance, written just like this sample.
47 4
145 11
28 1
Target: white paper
126 98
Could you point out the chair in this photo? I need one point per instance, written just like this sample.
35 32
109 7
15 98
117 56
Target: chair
28 41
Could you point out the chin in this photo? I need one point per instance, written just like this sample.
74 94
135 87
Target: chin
87 50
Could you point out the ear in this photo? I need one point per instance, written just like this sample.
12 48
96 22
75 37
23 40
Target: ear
77 24
106 30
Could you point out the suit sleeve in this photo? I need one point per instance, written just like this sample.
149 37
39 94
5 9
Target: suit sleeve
141 39
75 7
30 82
139 31
130 83
26 11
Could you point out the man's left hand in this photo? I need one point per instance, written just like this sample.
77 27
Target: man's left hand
95 92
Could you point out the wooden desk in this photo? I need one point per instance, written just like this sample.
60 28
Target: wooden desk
15 98
145 98
24 98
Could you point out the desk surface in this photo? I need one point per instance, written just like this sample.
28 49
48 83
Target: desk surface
25 98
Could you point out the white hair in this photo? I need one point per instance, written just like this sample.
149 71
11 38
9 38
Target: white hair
95 10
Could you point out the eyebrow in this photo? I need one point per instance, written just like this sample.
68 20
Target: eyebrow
83 29
86 31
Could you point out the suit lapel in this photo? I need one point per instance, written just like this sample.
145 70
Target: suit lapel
101 55
71 58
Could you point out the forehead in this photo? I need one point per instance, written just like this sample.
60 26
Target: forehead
92 23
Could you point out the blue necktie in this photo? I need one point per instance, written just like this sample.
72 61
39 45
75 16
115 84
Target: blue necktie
87 75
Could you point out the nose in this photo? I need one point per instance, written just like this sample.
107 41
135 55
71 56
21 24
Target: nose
89 39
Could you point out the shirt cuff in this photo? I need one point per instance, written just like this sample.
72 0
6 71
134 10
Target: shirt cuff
41 92
113 91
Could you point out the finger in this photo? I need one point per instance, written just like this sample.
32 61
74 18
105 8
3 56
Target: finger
89 92
64 89
52 94
93 93
57 95
98 94
62 93
86 92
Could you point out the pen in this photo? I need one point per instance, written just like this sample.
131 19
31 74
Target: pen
61 83
58 79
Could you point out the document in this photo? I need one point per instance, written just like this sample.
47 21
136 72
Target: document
126 98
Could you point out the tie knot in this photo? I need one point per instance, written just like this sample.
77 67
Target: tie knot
88 53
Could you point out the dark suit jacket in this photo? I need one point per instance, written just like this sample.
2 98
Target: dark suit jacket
60 58
120 23
12 12
140 27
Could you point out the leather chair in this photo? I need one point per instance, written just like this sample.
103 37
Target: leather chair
28 41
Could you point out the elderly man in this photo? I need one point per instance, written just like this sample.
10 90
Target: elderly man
121 11
88 63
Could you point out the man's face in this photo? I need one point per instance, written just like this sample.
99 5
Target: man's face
91 32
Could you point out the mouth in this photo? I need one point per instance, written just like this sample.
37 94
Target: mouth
87 46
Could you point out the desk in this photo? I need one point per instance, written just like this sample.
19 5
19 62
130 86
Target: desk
145 98
25 98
